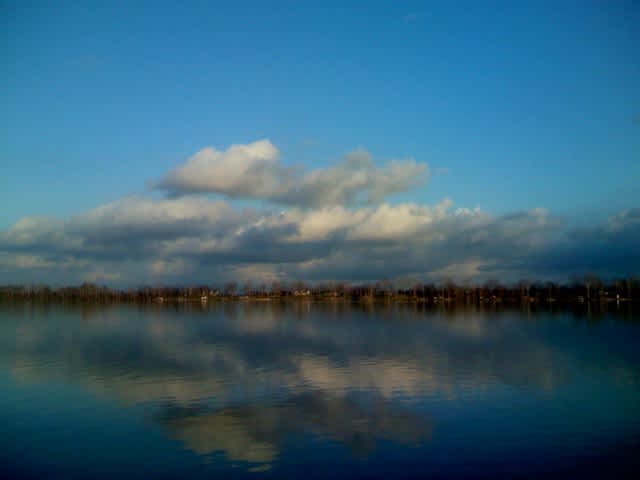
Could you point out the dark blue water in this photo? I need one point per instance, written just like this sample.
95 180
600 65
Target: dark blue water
317 391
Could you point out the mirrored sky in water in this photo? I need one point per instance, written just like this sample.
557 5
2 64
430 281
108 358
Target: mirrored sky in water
328 389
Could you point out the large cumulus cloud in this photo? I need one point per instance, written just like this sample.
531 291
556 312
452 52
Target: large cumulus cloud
254 171
337 225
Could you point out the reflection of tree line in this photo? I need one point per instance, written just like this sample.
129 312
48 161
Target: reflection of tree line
592 311
589 289
254 433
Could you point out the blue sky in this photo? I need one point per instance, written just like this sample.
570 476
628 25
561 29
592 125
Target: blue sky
513 105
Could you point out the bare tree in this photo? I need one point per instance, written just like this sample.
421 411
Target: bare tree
230 288
591 280
276 288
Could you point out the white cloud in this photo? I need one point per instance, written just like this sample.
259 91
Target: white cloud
338 227
254 171
250 170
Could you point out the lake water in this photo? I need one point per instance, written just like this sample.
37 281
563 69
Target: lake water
260 390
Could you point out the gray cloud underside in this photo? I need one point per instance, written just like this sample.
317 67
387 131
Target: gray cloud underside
189 239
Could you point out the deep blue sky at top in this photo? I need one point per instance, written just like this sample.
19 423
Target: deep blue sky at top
525 105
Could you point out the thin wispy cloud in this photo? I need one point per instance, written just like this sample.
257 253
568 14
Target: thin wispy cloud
410 17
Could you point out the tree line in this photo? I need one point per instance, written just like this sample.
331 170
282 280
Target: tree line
587 289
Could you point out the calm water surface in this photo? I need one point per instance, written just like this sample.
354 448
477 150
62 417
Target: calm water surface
316 391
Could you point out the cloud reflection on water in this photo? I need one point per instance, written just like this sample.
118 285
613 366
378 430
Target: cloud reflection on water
253 433
241 379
